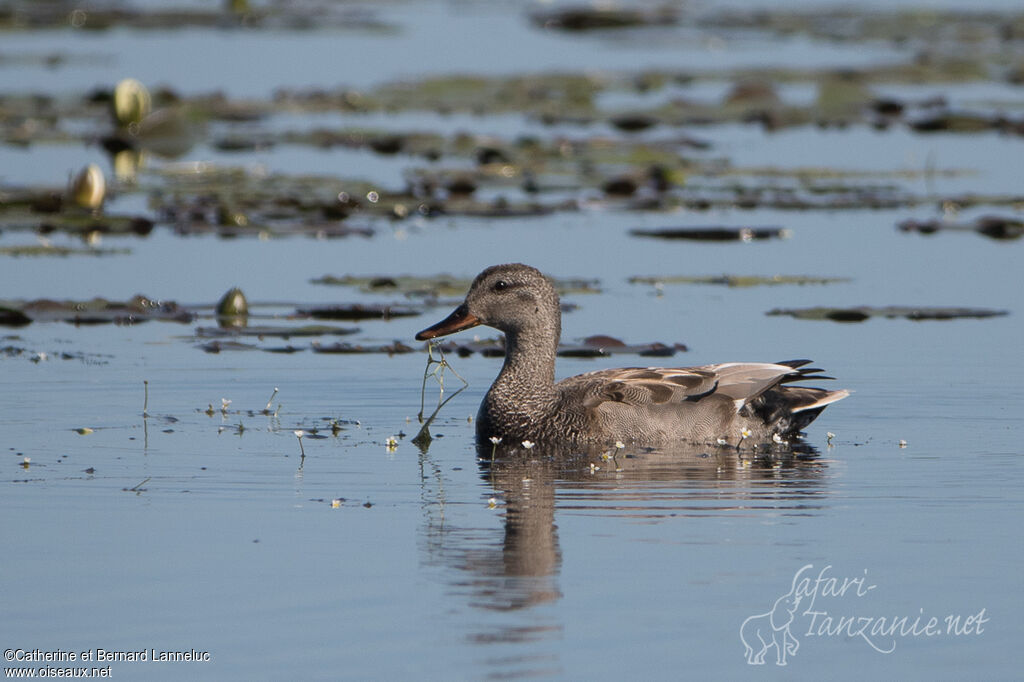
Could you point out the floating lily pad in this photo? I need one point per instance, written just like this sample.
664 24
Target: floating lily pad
42 356
590 347
714 234
218 346
95 311
437 286
898 25
42 250
355 348
737 280
861 313
358 311
273 331
951 122
590 18
227 345
107 16
12 317
996 227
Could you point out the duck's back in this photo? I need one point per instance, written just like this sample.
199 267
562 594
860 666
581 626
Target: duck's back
697 404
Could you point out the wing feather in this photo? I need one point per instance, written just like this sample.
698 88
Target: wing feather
741 382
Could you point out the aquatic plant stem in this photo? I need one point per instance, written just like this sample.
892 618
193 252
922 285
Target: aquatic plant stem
438 374
266 410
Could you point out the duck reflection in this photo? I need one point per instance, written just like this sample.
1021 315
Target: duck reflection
518 571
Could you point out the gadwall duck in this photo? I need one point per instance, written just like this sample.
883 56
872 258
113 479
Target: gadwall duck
734 402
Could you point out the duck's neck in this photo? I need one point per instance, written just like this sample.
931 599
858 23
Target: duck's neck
530 359
523 397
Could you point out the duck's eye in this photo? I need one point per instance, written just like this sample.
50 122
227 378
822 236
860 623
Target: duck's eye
500 285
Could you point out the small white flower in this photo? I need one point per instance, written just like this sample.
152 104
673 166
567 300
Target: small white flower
829 436
722 441
335 503
606 456
594 467
777 438
391 444
492 503
903 443
497 439
528 444
224 402
745 433
299 434
619 444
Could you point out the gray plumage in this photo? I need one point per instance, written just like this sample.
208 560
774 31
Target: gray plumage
640 405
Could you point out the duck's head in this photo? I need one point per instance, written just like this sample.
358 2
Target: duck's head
512 298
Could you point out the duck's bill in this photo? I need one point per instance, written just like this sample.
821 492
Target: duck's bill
460 319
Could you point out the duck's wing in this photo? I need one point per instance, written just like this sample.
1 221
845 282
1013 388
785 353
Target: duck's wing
648 385
740 382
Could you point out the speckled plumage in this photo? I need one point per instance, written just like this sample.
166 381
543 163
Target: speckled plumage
641 405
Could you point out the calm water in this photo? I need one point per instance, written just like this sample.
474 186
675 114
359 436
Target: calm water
183 530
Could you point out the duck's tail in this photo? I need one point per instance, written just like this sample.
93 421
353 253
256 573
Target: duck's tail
788 409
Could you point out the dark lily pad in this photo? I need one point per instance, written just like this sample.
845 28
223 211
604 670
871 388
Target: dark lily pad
284 350
98 311
411 286
590 18
633 122
622 186
42 250
714 234
11 317
590 347
218 346
954 123
437 286
861 313
107 16
354 348
737 280
273 331
358 311
996 227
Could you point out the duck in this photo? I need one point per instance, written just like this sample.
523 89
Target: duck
731 402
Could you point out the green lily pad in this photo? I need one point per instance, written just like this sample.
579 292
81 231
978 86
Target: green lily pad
738 281
96 311
43 250
438 286
273 331
590 347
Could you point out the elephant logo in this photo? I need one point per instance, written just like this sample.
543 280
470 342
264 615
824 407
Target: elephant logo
766 630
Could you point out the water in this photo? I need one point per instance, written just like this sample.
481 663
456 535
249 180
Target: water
197 529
